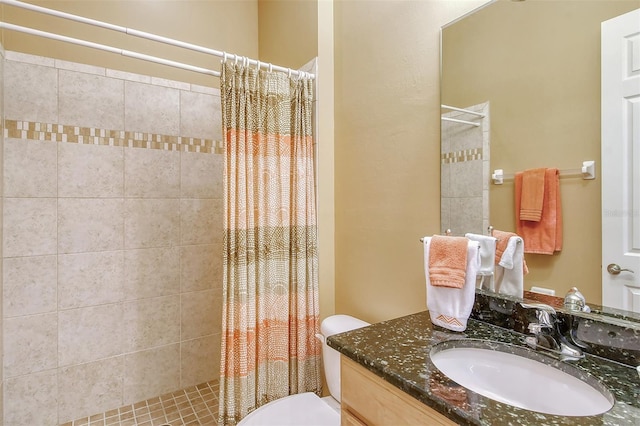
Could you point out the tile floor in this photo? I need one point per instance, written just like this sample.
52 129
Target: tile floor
197 405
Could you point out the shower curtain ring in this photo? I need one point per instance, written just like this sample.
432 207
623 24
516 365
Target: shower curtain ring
289 73
258 66
270 67
235 61
224 56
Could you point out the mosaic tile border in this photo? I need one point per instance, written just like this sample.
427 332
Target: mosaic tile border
471 154
193 406
95 136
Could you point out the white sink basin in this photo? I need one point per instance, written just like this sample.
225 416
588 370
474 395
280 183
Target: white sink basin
520 381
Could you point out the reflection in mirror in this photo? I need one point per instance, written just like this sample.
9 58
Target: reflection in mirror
464 202
537 64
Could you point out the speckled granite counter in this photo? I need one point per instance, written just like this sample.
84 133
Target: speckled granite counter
398 351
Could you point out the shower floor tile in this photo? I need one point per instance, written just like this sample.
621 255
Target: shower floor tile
194 406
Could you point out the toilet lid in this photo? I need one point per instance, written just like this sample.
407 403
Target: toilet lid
295 410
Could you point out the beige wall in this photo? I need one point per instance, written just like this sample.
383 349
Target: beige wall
543 83
226 25
387 149
325 135
288 31
1 218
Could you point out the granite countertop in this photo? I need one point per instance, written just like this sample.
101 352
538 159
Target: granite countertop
398 351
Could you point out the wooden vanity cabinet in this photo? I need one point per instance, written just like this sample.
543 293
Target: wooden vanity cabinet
369 400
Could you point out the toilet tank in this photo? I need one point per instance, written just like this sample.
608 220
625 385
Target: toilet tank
333 325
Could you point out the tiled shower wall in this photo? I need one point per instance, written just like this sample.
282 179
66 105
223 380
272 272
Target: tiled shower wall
112 239
464 168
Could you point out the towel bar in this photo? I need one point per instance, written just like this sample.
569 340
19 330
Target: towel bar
446 233
587 171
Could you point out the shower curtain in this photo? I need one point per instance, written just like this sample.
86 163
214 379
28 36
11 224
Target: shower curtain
270 306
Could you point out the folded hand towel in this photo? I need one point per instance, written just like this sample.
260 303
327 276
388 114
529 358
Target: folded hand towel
502 239
502 242
532 196
448 261
510 270
544 237
450 307
487 251
487 243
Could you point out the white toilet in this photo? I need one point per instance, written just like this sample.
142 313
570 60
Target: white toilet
307 408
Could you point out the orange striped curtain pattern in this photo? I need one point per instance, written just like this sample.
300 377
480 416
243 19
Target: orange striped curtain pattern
270 305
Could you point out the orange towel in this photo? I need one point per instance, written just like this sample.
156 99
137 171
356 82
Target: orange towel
448 261
532 195
544 237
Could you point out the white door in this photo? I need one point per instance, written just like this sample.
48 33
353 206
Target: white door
621 162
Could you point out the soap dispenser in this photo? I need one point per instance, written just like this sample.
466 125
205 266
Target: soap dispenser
575 301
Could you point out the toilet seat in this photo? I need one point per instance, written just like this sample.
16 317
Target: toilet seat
294 410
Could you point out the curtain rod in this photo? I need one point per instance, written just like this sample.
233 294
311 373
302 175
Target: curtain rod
106 48
455 120
141 34
466 111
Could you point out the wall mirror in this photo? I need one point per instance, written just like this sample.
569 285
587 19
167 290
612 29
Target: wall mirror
532 70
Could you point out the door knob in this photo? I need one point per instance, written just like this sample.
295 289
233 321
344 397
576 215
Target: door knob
614 269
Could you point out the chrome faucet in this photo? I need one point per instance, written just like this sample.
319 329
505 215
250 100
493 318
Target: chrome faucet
547 335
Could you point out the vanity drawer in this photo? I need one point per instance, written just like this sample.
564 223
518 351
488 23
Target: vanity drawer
348 419
369 400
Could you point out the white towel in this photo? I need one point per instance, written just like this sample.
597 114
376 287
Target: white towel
509 277
450 307
487 260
